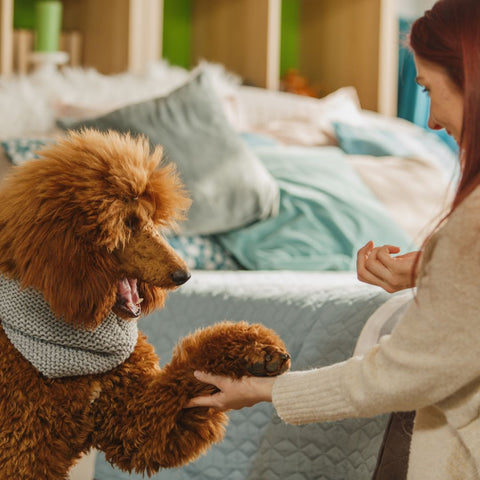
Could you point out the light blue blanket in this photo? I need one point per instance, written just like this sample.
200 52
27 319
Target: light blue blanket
319 316
326 214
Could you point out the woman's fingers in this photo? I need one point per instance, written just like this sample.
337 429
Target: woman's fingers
206 401
377 266
369 268
384 256
207 377
362 255
234 393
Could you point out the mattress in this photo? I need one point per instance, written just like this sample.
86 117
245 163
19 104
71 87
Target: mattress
319 315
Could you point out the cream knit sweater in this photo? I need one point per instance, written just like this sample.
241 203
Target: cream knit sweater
430 363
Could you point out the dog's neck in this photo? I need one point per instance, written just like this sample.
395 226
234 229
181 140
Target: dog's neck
56 348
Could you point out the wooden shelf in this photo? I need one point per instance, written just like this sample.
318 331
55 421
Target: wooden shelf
118 35
341 42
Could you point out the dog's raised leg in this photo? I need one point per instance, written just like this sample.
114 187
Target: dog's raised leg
146 428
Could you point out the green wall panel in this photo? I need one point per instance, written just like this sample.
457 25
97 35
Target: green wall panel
177 32
24 14
289 37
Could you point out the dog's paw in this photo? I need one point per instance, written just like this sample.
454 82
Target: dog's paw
269 362
234 349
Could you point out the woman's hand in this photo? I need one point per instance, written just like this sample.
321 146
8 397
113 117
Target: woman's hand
233 394
377 266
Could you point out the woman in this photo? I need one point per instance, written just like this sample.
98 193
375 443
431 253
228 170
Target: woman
431 361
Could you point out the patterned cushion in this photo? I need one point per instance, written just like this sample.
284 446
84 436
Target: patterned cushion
203 252
19 150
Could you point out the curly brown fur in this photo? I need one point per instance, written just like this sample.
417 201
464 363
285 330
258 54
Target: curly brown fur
64 217
81 226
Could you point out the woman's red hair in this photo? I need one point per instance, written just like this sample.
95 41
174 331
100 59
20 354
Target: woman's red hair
449 35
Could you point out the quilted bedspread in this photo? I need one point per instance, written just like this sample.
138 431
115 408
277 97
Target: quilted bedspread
319 316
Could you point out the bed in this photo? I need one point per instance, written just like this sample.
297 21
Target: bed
285 189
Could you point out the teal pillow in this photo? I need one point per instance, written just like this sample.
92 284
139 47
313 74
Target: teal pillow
368 140
228 184
360 140
326 214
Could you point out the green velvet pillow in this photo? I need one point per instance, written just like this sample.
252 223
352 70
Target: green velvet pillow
229 186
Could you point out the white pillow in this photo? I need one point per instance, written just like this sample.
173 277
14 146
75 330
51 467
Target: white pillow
295 119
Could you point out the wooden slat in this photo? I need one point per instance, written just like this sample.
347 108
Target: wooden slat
274 15
72 43
243 35
6 37
388 59
340 45
22 48
119 35
145 26
104 25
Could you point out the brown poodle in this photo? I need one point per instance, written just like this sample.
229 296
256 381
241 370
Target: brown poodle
80 259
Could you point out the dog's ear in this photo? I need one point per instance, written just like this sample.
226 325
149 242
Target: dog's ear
166 192
74 279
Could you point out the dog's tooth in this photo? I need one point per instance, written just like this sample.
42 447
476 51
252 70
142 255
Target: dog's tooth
134 309
140 300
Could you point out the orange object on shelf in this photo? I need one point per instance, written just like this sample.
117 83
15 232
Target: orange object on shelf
293 82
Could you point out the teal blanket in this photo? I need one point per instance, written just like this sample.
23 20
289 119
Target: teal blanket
326 214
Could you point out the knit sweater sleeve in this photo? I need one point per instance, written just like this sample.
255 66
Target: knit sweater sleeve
432 352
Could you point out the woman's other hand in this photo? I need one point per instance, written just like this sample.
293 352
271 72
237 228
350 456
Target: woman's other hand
377 266
233 394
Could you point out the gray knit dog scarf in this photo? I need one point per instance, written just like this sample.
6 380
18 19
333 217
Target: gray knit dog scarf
56 348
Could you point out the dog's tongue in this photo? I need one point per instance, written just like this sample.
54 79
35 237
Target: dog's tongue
127 296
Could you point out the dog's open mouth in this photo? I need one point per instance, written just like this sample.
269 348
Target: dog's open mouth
128 299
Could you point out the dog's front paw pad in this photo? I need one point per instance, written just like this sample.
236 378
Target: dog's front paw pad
272 363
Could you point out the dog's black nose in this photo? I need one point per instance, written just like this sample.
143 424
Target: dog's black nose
179 277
